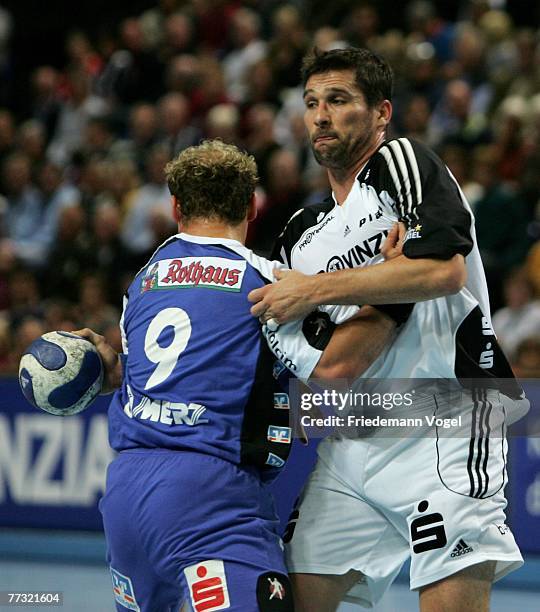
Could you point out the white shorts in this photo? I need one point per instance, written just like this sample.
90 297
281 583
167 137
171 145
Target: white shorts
373 502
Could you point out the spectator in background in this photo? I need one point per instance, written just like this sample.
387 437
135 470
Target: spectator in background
45 99
520 317
142 135
179 35
533 268
501 223
122 183
248 49
31 141
92 307
260 138
360 26
288 46
211 88
107 253
527 361
284 195
24 215
183 75
70 256
57 194
152 199
453 120
223 122
29 330
7 136
174 118
133 73
73 118
415 119
425 25
24 298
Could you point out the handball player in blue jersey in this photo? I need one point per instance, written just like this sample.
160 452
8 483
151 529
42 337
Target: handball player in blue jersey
186 512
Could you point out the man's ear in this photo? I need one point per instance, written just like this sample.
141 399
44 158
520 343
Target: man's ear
176 209
385 113
252 208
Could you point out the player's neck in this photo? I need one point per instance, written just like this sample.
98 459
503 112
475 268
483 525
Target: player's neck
342 179
215 229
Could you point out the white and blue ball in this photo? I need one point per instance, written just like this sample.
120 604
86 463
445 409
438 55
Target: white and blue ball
61 373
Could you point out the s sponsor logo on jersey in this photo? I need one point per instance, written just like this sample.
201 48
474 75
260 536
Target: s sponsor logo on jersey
207 586
308 237
279 434
188 272
357 255
123 591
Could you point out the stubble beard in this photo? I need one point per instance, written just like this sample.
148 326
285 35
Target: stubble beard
342 154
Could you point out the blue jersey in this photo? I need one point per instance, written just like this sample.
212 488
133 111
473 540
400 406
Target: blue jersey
198 374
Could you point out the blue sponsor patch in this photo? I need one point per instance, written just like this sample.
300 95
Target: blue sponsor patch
275 461
278 369
123 591
279 434
281 401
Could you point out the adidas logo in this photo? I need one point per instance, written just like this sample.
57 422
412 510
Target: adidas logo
347 231
462 548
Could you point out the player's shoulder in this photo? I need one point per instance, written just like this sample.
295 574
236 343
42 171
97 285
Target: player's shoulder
403 157
306 217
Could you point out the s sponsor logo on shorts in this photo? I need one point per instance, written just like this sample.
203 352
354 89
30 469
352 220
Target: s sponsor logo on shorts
427 532
123 590
207 586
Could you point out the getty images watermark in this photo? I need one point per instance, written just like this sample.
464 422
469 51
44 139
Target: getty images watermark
411 407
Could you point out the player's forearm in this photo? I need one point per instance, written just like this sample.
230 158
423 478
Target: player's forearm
355 345
396 281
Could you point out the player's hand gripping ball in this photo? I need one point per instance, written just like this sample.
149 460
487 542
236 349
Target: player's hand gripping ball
61 373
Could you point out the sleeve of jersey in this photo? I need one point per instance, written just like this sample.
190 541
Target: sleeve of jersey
300 344
285 241
427 200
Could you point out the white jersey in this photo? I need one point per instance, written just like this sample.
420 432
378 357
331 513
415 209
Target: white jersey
449 337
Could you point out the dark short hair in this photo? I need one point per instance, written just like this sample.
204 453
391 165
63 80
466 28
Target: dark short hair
213 180
373 75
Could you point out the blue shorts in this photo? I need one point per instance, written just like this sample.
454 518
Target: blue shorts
188 527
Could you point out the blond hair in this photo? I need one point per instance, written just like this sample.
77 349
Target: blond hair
213 180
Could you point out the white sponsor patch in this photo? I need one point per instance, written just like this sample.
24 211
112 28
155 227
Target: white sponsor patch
186 272
123 591
208 586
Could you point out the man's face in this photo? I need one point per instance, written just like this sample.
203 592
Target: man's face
340 125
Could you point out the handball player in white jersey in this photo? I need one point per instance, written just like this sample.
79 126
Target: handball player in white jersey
373 502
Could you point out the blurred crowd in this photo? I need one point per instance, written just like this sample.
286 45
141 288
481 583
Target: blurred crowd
83 198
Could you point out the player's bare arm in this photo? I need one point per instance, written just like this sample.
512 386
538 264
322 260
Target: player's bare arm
355 345
392 282
111 359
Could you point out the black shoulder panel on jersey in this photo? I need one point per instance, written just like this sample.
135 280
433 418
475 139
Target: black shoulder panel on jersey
301 221
427 199
480 361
